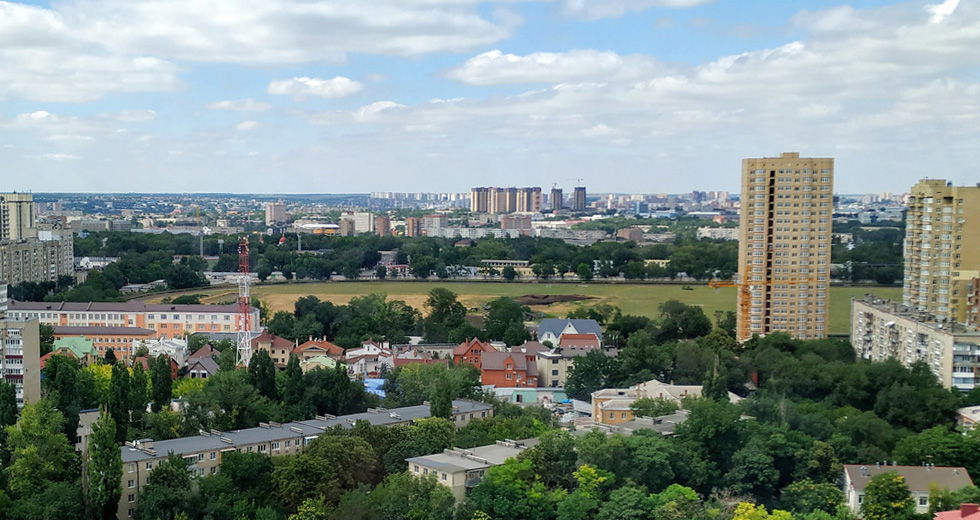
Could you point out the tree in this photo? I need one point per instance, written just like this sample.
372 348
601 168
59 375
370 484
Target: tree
328 466
262 374
505 317
137 396
39 450
110 356
553 458
887 497
120 399
584 271
591 372
167 492
445 314
46 338
681 321
161 382
509 273
655 407
381 272
104 468
293 389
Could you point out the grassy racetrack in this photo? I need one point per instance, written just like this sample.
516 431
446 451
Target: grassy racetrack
637 299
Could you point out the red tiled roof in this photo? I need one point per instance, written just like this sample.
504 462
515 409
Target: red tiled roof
275 341
204 352
323 345
965 512
464 347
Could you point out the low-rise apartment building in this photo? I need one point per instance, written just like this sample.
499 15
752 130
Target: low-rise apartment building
168 320
119 339
204 452
462 469
882 329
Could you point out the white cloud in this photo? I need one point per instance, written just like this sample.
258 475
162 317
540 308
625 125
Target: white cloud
942 11
55 157
245 126
596 9
134 116
240 105
302 88
494 67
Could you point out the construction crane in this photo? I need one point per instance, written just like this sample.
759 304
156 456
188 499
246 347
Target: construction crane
578 181
743 332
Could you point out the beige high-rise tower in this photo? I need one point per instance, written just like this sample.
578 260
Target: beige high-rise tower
784 246
942 253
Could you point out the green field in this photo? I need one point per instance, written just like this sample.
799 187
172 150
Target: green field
639 299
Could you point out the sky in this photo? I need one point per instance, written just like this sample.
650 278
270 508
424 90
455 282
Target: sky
342 96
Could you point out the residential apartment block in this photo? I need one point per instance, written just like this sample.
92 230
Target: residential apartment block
16 216
881 329
20 358
784 245
168 320
579 201
919 479
43 257
119 339
505 200
463 469
942 254
204 452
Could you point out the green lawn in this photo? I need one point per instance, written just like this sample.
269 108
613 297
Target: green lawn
640 300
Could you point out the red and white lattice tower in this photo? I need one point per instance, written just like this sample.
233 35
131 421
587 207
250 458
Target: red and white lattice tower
244 306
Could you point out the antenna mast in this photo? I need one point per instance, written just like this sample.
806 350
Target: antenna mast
244 306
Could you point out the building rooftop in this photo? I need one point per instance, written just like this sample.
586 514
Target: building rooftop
102 331
918 478
458 459
128 306
921 317
217 441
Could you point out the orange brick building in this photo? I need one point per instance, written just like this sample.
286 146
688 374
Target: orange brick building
119 339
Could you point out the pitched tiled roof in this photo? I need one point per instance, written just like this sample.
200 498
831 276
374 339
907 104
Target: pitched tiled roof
207 351
206 363
320 344
464 347
582 326
497 360
268 337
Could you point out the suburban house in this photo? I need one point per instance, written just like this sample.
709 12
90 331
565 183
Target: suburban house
175 349
369 361
204 452
965 512
413 355
552 329
461 470
201 367
77 347
324 362
471 351
318 347
918 479
967 417
278 348
509 369
206 351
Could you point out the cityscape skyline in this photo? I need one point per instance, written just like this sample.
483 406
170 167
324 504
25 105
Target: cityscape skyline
628 95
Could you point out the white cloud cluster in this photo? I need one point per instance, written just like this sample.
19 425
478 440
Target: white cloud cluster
596 9
495 68
302 88
79 50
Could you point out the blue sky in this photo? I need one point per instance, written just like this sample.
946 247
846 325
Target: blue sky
442 95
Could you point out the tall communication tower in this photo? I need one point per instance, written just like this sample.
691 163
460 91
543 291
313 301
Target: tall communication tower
244 306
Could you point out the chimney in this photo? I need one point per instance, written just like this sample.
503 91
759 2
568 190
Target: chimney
864 471
968 509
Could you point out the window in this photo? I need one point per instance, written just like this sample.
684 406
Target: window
149 465
200 456
131 498
923 501
132 468
131 483
554 372
275 445
444 476
214 455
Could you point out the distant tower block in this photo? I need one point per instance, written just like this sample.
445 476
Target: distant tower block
244 306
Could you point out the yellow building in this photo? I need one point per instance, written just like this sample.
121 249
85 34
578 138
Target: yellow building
942 254
784 245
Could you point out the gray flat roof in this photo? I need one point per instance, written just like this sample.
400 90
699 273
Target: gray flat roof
308 428
473 458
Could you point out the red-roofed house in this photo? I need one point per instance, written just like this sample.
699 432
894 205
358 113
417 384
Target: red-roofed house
965 512
578 342
471 351
207 351
514 369
319 347
369 361
278 348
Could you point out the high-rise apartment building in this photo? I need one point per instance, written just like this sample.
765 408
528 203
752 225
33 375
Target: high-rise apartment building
413 227
382 224
275 213
942 253
578 199
784 245
556 199
16 216
20 358
480 200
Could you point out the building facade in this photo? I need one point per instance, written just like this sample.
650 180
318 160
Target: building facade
119 339
942 255
168 320
40 258
578 199
557 201
784 245
20 358
16 216
462 469
919 479
275 213
881 329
